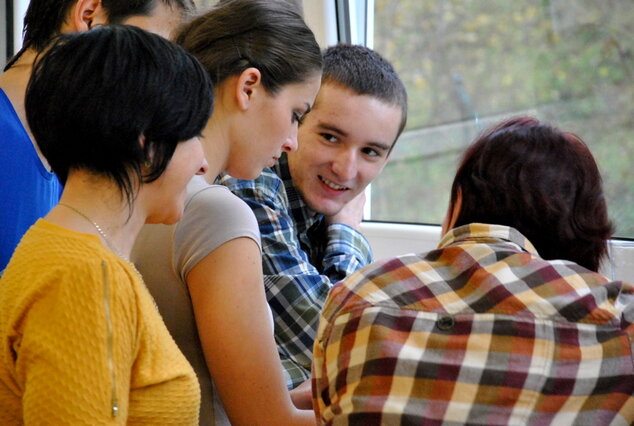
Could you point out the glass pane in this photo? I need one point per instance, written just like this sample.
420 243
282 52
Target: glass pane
205 4
470 63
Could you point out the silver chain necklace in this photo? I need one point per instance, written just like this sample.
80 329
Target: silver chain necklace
98 228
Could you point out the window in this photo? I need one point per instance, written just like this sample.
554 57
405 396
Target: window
470 63
204 4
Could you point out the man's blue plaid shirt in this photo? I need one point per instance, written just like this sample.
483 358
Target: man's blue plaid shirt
302 257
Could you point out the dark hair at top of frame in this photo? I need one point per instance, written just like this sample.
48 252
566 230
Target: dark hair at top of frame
541 181
44 18
120 10
365 72
266 34
93 95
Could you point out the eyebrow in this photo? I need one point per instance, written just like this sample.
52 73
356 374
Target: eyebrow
333 129
380 146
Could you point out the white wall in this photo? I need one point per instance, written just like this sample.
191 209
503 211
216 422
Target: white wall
19 10
391 239
320 16
620 266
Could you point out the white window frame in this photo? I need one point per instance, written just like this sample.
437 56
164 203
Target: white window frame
19 10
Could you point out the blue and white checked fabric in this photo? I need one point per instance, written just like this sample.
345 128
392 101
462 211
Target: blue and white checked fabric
302 256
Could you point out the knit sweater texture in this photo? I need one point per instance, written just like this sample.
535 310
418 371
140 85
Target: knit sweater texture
81 341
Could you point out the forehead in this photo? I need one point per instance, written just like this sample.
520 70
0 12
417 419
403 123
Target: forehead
356 115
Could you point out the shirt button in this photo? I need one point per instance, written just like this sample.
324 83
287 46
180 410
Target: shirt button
445 322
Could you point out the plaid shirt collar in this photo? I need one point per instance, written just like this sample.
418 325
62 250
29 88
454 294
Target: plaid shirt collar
304 216
483 233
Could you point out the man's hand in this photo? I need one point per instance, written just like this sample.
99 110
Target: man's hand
351 214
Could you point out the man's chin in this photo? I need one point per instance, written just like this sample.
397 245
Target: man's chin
327 209
322 204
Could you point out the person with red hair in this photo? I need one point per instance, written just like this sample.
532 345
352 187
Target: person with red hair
508 321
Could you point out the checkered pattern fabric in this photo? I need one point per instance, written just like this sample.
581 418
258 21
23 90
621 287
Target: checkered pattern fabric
302 256
479 331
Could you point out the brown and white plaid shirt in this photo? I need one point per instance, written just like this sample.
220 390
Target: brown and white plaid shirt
479 331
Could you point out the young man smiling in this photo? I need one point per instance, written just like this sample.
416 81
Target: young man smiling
309 206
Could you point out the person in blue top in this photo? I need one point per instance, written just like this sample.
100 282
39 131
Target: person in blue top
28 189
309 205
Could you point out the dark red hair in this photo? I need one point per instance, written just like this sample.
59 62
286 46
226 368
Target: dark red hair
541 181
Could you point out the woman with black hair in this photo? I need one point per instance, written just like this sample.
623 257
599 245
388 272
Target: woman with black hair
117 112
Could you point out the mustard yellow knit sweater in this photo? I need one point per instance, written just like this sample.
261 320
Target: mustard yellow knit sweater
80 339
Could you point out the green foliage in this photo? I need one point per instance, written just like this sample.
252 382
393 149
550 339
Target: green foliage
570 62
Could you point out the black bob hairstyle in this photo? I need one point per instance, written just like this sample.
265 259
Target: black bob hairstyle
541 181
116 101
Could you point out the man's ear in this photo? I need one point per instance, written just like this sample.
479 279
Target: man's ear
248 85
86 14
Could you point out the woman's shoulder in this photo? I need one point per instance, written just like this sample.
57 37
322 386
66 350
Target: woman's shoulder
214 215
55 247
70 266
217 200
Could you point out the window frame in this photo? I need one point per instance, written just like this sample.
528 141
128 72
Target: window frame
6 32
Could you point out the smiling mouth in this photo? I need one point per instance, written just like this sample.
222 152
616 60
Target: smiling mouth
332 185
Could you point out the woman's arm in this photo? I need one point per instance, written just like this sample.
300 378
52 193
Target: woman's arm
235 329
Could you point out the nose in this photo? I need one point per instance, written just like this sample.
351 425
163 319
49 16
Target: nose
344 165
204 167
290 144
